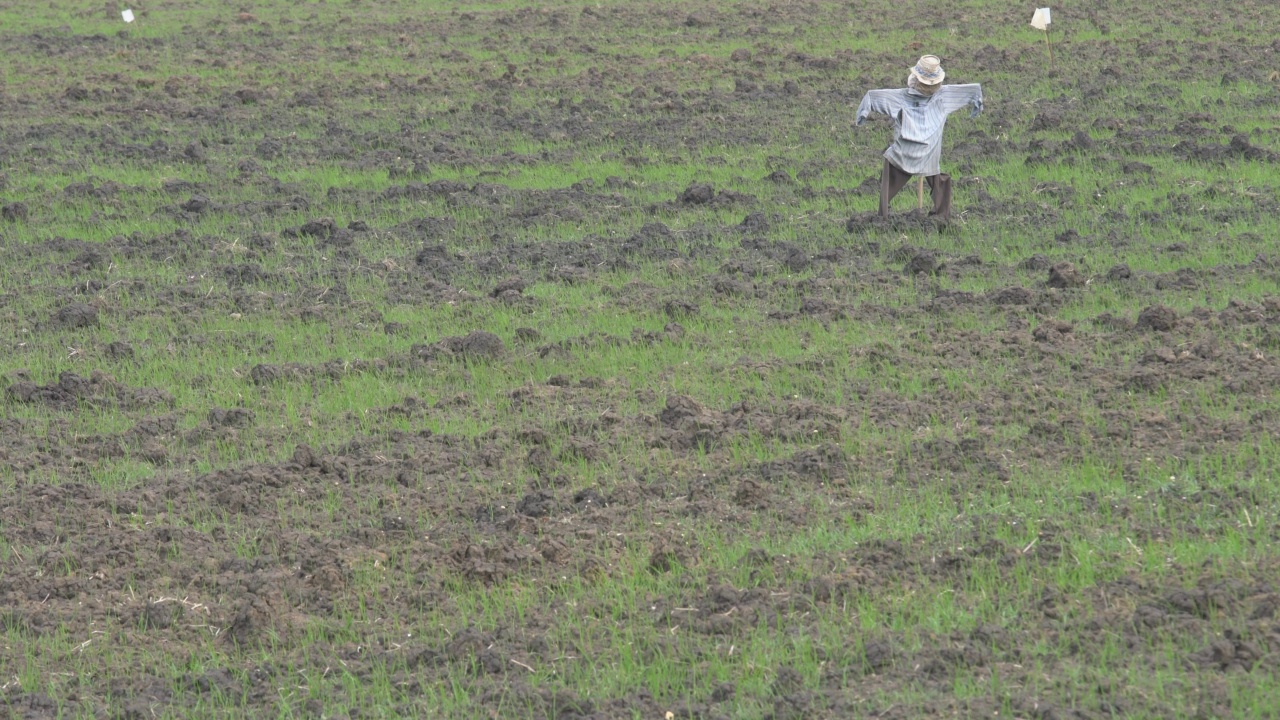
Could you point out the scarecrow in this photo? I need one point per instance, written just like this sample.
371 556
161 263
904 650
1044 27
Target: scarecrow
919 114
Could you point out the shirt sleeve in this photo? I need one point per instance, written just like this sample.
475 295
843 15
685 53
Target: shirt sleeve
886 102
955 97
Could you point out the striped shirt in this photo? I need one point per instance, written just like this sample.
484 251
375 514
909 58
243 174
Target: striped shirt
918 121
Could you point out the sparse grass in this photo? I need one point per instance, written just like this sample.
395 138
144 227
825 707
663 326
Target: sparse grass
894 496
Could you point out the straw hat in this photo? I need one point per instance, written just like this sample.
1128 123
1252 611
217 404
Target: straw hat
928 70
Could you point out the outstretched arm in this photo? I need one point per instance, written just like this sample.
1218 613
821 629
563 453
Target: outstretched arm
954 97
887 102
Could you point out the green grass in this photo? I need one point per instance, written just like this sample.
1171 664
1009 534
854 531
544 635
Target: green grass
1009 520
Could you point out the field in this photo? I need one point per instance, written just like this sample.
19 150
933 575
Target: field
498 360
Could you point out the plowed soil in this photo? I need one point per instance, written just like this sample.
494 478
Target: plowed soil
431 360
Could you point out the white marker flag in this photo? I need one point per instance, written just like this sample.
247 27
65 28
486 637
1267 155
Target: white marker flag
1040 20
127 15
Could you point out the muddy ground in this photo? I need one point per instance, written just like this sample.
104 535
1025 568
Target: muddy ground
487 483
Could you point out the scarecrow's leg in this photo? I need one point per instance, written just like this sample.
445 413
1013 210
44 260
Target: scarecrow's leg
940 191
892 180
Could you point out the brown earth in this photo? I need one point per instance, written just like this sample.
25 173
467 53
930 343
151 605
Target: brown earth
428 513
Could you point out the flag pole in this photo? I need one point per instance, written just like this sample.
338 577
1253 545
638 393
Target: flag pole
1041 21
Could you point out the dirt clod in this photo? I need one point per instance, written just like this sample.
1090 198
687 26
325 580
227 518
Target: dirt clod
231 417
1160 318
476 345
14 211
196 204
75 315
925 262
697 194
321 228
514 286
1064 275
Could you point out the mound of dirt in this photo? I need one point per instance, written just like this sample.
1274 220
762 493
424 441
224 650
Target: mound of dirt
706 194
697 194
265 374
1010 296
231 417
99 389
14 211
1159 318
925 261
196 204
823 463
689 423
75 315
1064 275
476 345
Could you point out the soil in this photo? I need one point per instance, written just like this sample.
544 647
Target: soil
421 514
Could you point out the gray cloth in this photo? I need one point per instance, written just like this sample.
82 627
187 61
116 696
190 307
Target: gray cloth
918 121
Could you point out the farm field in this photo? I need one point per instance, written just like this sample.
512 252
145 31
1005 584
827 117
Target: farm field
549 360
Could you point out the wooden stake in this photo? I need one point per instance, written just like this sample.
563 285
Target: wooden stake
1048 45
920 193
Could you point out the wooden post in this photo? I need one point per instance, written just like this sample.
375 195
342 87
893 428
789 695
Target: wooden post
920 192
1048 45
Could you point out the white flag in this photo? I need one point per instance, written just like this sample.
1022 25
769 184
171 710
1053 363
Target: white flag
1040 20
127 15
